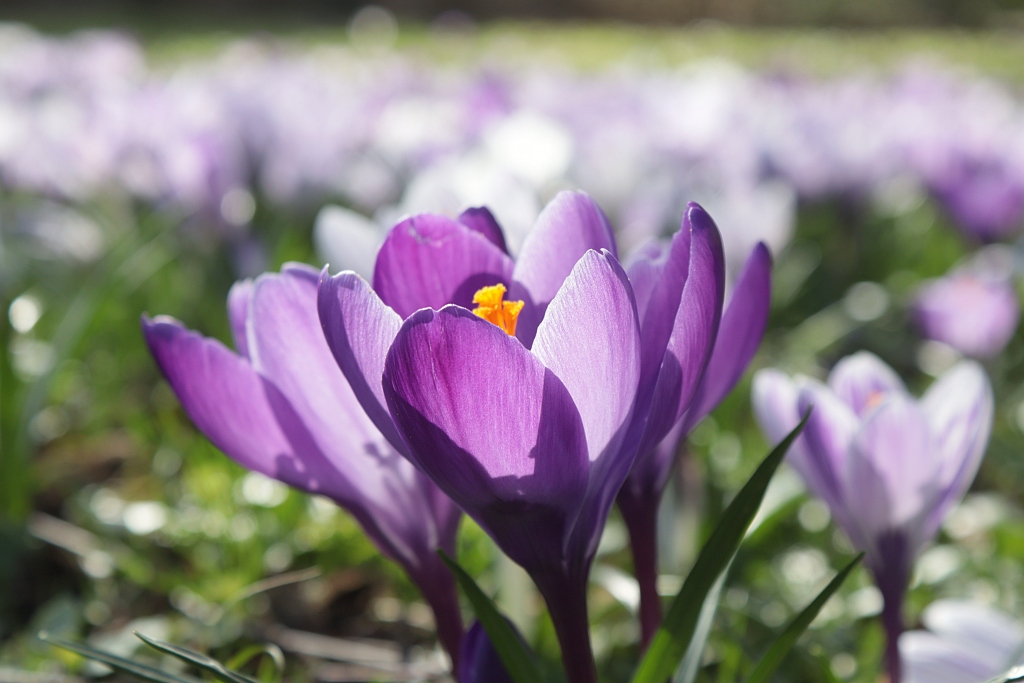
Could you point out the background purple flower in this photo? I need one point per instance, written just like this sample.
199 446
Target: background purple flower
889 466
973 308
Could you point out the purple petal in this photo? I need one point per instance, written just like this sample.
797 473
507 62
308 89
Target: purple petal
570 225
658 274
359 329
238 313
739 335
428 261
494 428
927 658
694 329
235 408
990 633
596 304
890 471
775 400
480 661
959 408
826 440
863 379
482 221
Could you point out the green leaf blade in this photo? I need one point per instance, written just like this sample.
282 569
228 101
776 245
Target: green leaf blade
519 661
672 640
785 642
128 666
198 660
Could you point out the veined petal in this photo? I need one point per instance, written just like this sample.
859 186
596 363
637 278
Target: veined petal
237 409
238 312
890 471
694 329
481 220
862 380
570 225
428 261
359 329
959 407
658 274
739 335
590 339
827 440
496 430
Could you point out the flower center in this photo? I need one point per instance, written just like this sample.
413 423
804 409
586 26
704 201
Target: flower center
492 307
874 400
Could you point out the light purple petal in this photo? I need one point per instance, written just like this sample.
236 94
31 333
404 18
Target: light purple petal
238 311
237 409
483 221
992 635
739 335
494 428
959 409
890 471
359 329
694 329
570 225
927 658
862 380
826 442
596 304
429 261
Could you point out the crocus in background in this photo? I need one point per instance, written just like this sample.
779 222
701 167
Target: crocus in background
739 334
528 411
480 661
966 642
974 308
280 406
888 465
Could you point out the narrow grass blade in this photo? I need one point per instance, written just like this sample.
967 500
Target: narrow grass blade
143 671
687 671
673 638
198 660
519 661
785 642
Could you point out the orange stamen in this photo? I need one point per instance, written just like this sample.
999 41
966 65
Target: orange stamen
492 307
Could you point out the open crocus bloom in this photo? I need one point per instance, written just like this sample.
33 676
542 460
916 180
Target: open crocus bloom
531 434
966 642
888 465
280 406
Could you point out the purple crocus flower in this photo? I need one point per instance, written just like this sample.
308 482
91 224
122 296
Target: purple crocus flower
974 308
739 335
966 642
280 406
889 466
480 661
528 412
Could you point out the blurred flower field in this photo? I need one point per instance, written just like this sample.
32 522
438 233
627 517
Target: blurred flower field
885 173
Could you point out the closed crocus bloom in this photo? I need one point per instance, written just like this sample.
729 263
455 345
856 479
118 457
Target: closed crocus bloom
280 406
889 466
527 409
974 308
739 334
966 642
480 661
